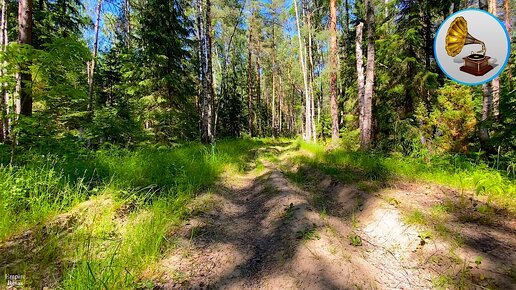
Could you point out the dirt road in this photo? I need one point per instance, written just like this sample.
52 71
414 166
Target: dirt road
263 231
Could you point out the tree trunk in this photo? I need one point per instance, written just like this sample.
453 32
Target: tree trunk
360 75
202 63
273 103
204 27
486 112
4 96
258 111
428 34
210 94
366 133
311 75
280 112
333 73
250 85
127 24
308 125
487 95
495 83
25 37
93 63
508 26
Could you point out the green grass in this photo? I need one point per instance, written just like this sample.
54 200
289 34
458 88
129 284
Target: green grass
308 234
451 170
416 217
124 204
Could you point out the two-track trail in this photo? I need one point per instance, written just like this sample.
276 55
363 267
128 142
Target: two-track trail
263 231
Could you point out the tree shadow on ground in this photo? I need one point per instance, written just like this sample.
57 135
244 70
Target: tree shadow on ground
304 196
37 253
279 234
487 235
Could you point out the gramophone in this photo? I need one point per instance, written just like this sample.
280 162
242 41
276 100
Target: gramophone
477 63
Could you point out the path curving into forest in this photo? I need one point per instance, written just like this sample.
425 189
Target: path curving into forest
267 232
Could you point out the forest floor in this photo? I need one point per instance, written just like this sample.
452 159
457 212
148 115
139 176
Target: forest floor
268 229
282 223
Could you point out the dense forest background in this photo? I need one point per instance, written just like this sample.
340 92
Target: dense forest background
171 71
117 116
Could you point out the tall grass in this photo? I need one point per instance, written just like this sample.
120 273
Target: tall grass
150 186
452 170
42 184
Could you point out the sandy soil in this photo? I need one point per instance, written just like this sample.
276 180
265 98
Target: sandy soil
262 230
269 233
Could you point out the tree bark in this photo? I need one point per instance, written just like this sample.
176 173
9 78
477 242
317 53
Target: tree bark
508 26
428 34
93 63
366 133
257 113
486 112
202 62
311 76
250 84
4 96
333 73
25 37
209 94
360 75
308 125
273 103
280 108
495 83
204 27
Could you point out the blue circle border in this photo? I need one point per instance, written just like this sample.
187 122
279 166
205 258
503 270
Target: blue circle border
506 58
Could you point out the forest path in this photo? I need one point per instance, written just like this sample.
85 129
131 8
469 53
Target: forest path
263 234
291 220
263 231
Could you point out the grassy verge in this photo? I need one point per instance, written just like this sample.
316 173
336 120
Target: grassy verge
115 209
454 171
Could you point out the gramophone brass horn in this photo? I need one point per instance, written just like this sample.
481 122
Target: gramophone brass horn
458 36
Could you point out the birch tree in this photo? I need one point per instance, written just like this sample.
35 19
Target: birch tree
495 83
366 133
4 96
333 74
205 70
308 124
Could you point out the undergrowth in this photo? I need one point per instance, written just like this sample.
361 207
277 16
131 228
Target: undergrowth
122 205
464 174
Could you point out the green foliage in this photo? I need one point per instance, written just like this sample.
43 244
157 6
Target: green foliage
58 19
452 118
289 212
308 234
354 239
416 217
40 184
452 170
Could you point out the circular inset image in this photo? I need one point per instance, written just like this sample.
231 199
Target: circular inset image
472 47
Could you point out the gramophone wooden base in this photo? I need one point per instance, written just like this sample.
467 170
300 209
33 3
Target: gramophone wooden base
475 71
476 67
